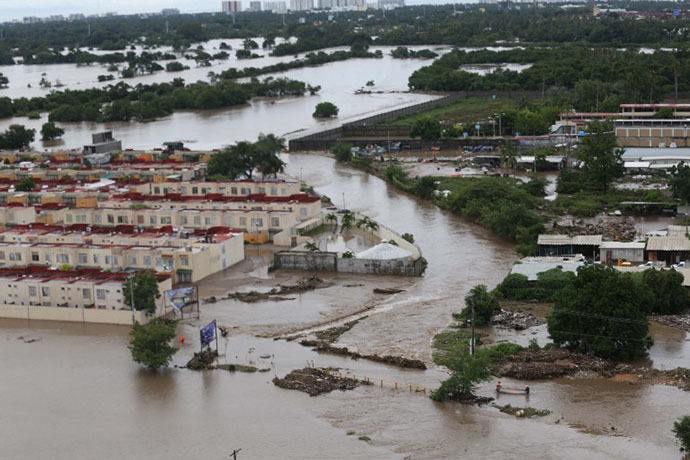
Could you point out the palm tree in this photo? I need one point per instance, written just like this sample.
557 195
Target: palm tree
332 219
509 156
362 222
346 224
372 225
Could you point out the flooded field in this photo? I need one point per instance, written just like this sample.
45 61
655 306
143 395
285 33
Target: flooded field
75 394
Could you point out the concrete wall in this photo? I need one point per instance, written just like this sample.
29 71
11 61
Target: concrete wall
400 267
80 315
306 260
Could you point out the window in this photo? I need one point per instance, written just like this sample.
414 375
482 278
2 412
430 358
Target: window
157 190
204 190
62 258
2 255
16 256
210 221
275 222
243 221
233 190
48 257
183 220
152 219
183 190
68 218
111 219
303 212
166 220
262 190
81 218
86 293
147 261
100 294
83 258
122 219
140 220
195 190
274 191
228 221
33 291
184 261
97 218
257 222
159 261
35 257
108 260
132 260
197 220
45 291
95 258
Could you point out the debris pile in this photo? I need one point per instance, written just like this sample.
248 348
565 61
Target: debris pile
202 360
315 381
611 229
387 290
516 320
552 363
677 321
522 412
275 294
325 347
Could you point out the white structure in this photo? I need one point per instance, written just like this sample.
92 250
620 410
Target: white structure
612 251
301 5
276 7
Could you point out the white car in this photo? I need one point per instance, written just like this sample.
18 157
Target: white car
678 265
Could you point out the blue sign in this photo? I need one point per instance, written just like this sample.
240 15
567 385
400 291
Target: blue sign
477 126
676 13
180 297
208 333
465 134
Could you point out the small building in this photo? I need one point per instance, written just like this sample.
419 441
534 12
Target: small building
564 245
669 249
532 266
613 251
103 143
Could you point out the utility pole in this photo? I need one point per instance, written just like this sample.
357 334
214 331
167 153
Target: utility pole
469 299
234 453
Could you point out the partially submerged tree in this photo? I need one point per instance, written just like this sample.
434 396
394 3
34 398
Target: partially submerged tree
150 344
466 372
602 312
681 429
49 131
325 110
342 151
145 291
485 305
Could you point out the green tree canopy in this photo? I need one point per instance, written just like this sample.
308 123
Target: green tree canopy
485 305
680 182
150 344
16 137
146 292
466 372
681 429
342 151
601 156
325 110
49 131
428 128
601 312
25 185
243 158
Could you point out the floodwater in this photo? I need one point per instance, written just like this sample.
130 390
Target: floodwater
75 394
214 128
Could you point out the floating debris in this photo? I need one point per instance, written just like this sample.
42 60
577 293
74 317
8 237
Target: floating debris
315 381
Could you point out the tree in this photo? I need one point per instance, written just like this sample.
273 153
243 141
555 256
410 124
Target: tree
681 429
602 312
509 156
342 151
466 372
409 237
332 219
667 296
536 185
310 246
428 128
601 156
485 305
266 156
325 110
346 222
146 292
680 182
664 113
25 185
49 131
150 344
16 137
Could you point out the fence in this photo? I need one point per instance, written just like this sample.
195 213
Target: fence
409 387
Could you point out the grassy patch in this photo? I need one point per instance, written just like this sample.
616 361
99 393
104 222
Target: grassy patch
364 438
461 112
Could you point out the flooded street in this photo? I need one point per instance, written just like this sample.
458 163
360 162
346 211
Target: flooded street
75 394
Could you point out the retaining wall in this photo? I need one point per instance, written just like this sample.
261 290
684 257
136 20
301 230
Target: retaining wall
330 262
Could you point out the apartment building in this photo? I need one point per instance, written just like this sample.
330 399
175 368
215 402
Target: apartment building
189 256
649 132
70 295
280 187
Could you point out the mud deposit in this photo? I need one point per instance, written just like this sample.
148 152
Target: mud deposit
315 381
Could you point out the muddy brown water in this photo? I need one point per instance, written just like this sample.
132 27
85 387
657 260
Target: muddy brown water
75 394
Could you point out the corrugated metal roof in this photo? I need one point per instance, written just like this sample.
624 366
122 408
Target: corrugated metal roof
678 230
621 245
668 243
563 240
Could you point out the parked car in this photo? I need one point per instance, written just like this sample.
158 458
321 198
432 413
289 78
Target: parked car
654 264
678 265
